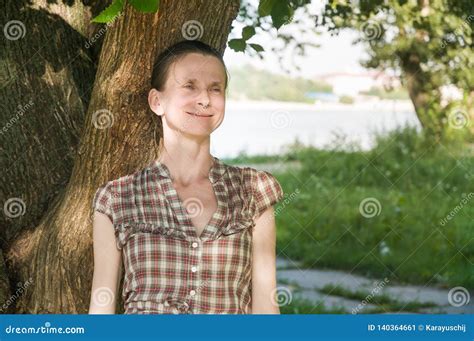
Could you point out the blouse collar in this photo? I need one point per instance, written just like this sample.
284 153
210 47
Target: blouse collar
216 172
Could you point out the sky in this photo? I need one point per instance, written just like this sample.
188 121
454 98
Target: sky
335 54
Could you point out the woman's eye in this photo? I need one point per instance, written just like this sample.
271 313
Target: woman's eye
189 86
216 90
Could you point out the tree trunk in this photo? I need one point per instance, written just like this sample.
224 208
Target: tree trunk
46 76
117 139
424 99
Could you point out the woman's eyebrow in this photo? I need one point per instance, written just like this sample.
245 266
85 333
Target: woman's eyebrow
194 80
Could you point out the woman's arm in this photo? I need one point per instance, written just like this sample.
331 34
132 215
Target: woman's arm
264 265
107 267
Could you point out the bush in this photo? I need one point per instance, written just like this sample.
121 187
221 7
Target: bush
346 99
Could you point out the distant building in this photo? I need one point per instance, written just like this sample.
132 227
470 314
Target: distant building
322 96
350 84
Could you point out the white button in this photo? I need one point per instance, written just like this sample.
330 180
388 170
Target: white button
195 244
192 292
194 269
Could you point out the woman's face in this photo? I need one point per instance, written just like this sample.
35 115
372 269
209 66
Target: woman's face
193 99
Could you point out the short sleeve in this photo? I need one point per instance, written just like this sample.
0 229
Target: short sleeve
267 191
103 201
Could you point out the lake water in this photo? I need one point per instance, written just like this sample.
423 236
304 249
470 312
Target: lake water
267 131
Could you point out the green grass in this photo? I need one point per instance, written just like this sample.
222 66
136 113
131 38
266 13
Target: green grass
416 183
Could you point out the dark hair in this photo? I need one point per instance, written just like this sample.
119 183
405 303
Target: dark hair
173 53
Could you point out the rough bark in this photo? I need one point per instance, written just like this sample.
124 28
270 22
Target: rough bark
46 76
57 252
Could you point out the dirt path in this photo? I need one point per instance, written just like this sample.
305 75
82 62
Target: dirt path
325 286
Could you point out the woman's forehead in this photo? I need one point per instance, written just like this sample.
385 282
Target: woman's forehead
197 67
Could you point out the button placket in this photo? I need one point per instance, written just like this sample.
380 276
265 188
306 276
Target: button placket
196 251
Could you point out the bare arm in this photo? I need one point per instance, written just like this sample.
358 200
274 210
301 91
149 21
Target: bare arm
107 267
264 265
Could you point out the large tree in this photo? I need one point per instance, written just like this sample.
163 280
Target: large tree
429 43
76 116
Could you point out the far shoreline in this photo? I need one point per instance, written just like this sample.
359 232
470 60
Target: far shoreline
371 105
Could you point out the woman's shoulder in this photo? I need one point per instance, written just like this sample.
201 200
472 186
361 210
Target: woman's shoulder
257 180
251 175
119 193
126 182
260 185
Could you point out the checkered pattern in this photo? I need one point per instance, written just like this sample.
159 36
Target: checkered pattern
168 268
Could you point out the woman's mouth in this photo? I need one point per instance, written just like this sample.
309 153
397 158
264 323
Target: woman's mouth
198 115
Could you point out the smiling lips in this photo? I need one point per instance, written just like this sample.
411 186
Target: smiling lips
196 115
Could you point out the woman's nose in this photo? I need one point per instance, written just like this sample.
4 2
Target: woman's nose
204 99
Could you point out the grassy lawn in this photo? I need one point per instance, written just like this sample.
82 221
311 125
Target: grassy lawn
404 210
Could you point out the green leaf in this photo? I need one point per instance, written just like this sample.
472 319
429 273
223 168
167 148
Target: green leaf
110 12
238 45
265 7
281 14
146 6
248 32
257 47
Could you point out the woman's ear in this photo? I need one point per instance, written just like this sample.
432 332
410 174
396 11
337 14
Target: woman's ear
154 102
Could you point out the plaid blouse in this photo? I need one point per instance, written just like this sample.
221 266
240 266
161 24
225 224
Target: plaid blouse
168 268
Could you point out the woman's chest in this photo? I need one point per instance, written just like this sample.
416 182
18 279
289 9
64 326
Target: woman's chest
199 203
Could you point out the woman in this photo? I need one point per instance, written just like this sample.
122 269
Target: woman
195 235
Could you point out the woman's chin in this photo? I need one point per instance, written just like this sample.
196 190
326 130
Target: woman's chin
196 133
